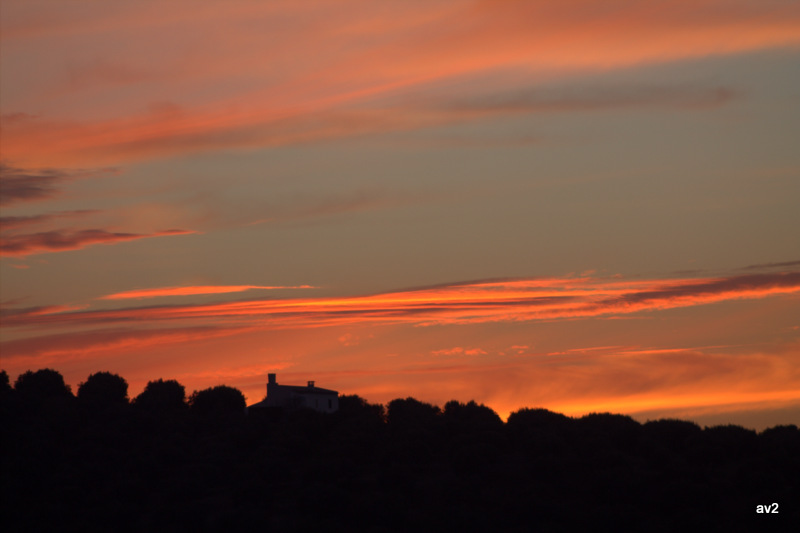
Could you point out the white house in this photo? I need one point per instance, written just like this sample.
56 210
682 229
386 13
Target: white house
298 397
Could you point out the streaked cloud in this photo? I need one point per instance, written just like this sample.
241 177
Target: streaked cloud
24 185
764 266
193 290
577 98
13 222
340 70
464 303
6 311
65 240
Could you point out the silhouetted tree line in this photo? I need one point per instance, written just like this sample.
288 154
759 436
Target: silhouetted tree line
99 461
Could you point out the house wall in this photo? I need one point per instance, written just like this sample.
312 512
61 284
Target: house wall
277 396
324 403
288 396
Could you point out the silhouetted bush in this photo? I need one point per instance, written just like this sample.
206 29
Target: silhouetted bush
220 399
161 396
103 390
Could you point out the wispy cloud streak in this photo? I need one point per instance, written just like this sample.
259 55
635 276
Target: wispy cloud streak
193 290
334 70
25 185
561 99
63 240
13 222
467 303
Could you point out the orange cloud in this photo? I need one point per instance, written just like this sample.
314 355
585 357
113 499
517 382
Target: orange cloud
282 74
193 290
470 303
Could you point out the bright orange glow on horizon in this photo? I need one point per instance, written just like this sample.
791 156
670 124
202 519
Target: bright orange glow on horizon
557 380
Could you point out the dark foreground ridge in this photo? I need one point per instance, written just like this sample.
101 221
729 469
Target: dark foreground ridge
96 461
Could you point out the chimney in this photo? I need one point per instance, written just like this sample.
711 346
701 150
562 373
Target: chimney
271 378
310 384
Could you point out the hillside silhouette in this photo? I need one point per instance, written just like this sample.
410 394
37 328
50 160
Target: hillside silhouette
162 461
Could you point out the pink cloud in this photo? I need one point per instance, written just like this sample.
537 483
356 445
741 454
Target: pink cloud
282 73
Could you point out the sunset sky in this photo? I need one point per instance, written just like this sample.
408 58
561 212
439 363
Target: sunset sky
578 205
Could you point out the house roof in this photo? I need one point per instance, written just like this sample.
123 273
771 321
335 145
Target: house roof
262 403
299 389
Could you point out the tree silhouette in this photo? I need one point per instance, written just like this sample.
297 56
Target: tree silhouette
538 417
786 438
471 416
412 413
42 384
103 389
354 406
423 469
615 427
6 394
162 396
674 435
539 430
5 385
220 399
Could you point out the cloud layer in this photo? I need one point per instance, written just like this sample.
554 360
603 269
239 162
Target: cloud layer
466 303
279 74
